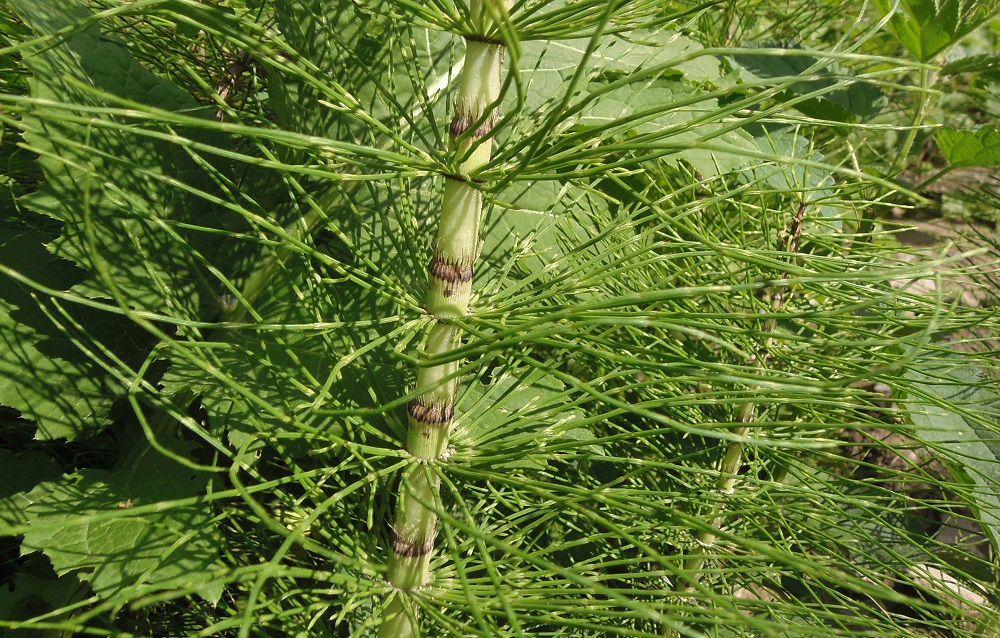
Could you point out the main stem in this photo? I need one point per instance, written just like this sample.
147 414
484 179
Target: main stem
450 269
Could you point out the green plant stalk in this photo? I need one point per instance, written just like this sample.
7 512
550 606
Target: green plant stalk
451 268
731 463
733 458
926 80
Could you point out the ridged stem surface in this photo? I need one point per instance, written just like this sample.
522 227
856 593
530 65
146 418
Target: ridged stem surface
450 271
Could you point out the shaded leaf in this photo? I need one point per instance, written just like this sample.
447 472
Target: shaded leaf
395 72
840 98
34 591
962 416
18 475
876 531
44 374
115 189
267 382
116 554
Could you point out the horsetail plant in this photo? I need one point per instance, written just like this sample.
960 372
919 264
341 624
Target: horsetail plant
733 458
636 428
451 269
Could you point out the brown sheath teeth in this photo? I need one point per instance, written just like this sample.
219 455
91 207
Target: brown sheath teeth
461 123
482 38
448 271
463 178
410 549
431 414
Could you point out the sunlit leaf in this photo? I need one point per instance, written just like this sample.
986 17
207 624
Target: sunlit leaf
970 148
928 27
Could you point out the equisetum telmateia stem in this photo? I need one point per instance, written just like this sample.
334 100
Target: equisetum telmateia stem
732 461
450 269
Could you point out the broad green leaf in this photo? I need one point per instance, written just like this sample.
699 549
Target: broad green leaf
44 375
18 475
970 148
125 218
515 420
961 415
671 114
546 68
537 225
646 50
116 554
838 97
550 240
648 86
927 27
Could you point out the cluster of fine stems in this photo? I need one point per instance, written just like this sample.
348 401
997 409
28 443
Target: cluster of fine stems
732 461
451 268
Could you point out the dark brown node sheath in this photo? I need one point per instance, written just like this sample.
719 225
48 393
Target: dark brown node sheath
449 271
462 122
410 549
459 178
485 39
434 413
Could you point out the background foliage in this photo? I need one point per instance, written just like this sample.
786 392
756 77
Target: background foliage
720 376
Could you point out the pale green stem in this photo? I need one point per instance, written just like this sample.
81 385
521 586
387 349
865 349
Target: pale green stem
923 102
451 267
733 459
725 485
731 462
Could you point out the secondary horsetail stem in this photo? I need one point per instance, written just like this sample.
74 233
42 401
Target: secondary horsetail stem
451 270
